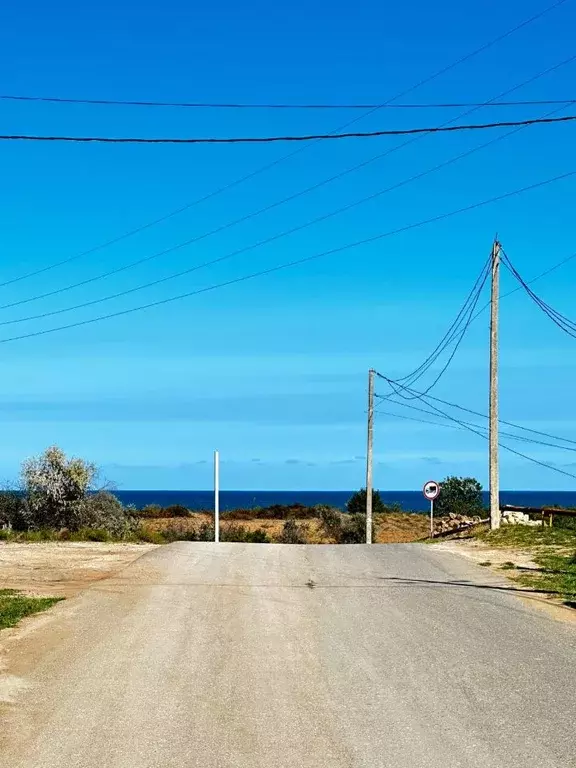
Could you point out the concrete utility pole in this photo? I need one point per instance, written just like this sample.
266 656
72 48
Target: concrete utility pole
216 497
493 437
371 373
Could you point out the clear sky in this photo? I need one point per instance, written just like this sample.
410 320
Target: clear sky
273 371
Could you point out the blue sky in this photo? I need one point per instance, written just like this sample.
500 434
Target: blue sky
272 371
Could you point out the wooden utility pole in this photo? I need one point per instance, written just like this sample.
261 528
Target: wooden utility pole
493 436
371 373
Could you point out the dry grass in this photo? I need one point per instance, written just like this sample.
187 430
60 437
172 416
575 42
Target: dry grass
390 528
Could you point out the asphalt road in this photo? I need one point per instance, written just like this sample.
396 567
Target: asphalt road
265 656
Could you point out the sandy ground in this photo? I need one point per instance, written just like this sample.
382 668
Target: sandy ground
479 552
62 569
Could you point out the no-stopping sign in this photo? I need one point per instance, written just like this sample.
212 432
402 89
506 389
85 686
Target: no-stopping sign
431 490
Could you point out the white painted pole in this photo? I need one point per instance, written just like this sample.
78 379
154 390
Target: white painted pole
431 518
216 497
369 456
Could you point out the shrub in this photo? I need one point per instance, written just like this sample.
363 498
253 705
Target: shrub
150 536
274 512
345 529
55 488
239 533
331 521
292 533
176 510
90 534
103 511
151 510
11 509
354 529
460 495
357 503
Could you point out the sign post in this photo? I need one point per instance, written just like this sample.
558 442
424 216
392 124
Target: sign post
431 490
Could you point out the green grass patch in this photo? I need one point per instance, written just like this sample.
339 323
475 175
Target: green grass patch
507 566
557 575
485 563
528 536
14 606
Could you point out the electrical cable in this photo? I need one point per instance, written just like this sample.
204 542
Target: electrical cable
287 265
363 164
273 238
563 322
503 445
482 415
288 138
454 332
232 105
276 204
509 435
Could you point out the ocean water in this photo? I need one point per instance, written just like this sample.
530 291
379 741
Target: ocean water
410 501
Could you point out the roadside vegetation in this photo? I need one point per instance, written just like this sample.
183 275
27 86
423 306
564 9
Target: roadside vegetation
14 606
552 550
59 500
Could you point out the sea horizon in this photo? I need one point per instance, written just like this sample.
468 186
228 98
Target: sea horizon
408 500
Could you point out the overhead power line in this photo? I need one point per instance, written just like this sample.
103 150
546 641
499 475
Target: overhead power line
273 139
249 216
286 265
237 105
303 147
478 413
562 321
486 46
483 435
509 435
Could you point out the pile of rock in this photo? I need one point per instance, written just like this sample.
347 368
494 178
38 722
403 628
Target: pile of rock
453 522
514 517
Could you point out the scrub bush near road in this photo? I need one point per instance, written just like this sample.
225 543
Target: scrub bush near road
292 533
459 496
356 504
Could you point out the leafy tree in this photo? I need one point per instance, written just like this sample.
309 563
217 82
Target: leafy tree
460 495
357 503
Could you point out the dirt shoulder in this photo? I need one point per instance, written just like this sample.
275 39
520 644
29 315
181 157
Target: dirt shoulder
543 576
62 569
482 553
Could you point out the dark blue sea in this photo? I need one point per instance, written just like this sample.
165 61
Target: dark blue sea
410 501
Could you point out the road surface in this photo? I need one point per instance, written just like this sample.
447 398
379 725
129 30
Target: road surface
265 656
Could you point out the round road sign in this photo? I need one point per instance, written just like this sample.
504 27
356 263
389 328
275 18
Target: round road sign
431 489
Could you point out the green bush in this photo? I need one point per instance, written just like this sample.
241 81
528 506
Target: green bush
11 508
104 512
90 534
356 504
459 495
292 533
331 521
176 510
151 511
354 529
345 528
149 536
274 512
241 534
